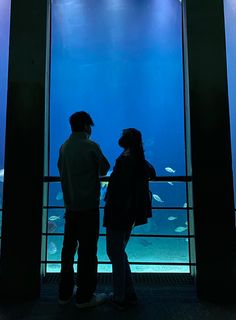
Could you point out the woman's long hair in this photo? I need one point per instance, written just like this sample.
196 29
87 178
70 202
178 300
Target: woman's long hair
132 140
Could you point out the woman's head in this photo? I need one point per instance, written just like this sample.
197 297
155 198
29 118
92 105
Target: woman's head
131 139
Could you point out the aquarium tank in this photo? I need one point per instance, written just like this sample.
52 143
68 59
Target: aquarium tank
230 32
4 52
122 62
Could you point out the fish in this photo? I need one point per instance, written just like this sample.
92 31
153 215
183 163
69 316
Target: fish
59 196
53 218
170 170
1 175
157 198
185 205
52 226
171 218
180 229
171 183
145 242
186 223
52 248
104 184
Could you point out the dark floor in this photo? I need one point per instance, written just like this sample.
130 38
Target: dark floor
162 297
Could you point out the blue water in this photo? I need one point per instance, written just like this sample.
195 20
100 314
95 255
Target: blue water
230 28
4 51
122 62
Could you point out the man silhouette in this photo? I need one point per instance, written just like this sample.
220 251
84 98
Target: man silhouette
80 164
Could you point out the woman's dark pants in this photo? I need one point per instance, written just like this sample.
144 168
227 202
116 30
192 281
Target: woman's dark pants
122 279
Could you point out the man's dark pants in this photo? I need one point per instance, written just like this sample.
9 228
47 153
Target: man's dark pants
81 231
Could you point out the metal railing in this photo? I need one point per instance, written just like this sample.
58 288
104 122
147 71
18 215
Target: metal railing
183 179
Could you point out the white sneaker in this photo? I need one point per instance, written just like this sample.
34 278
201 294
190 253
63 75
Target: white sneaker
96 300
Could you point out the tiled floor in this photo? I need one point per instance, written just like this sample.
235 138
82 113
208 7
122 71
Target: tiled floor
163 298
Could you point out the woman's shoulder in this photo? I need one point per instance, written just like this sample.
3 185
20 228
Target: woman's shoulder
125 156
124 162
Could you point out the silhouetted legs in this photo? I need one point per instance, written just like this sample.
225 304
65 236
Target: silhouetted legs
80 228
121 273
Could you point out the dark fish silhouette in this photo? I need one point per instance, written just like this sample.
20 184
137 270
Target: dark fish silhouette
52 226
145 242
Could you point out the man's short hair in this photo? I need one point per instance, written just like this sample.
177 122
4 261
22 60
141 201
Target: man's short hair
79 120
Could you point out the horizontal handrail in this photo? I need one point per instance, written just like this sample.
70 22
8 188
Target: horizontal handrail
106 178
132 263
153 207
133 235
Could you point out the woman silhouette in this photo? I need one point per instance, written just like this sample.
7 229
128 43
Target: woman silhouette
128 204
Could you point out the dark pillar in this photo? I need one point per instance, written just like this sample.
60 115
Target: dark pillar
211 150
24 154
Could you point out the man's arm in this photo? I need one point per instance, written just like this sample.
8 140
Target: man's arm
104 165
59 162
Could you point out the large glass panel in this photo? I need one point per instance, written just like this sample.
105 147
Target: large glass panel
56 221
139 249
56 267
4 51
230 28
122 62
164 194
151 250
163 222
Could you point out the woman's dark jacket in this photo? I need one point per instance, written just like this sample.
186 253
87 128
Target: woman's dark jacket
128 200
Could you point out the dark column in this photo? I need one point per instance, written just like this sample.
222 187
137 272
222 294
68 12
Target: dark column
211 150
24 154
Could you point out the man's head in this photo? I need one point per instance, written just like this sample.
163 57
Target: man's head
81 122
